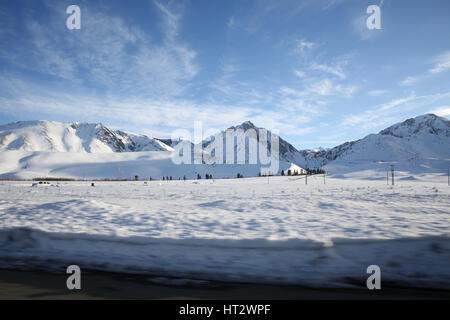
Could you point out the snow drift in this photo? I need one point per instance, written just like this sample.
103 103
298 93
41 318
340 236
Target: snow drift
416 262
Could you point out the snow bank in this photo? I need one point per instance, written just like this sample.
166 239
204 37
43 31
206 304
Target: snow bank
415 261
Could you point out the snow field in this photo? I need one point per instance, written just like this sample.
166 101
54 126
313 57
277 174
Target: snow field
273 229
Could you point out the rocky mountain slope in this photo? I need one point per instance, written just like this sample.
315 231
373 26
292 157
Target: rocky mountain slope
52 136
420 145
415 139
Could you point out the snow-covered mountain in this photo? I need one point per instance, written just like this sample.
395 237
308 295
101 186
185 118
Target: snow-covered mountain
38 148
170 142
287 152
421 141
32 149
51 136
420 144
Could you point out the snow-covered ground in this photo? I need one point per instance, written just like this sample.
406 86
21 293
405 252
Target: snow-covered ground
117 165
275 229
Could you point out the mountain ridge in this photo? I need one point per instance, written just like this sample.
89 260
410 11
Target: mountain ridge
413 133
411 141
54 136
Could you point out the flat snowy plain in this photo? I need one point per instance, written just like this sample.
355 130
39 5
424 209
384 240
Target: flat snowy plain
274 230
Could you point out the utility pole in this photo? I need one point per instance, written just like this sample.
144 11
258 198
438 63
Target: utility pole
387 177
119 171
392 171
324 174
448 177
306 178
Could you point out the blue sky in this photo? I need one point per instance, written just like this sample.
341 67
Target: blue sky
310 69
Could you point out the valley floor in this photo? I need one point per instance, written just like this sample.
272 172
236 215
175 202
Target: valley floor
275 230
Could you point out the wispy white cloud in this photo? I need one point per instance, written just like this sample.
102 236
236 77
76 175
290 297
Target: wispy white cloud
171 20
112 54
299 73
334 70
313 98
384 113
152 115
370 117
229 88
312 65
440 62
34 99
326 87
441 111
318 82
229 69
305 99
302 46
260 12
378 92
295 101
409 81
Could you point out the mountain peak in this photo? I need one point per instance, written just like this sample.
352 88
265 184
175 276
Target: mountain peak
424 124
54 136
248 123
244 126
